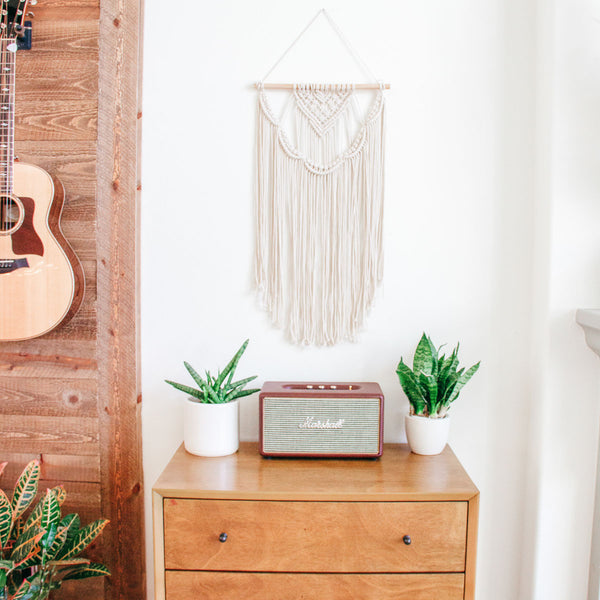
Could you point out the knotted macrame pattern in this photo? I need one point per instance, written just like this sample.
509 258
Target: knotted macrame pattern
319 194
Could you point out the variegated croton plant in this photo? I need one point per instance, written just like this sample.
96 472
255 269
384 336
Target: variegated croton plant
39 549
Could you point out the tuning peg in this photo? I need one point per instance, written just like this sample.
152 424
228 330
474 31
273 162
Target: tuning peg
30 14
33 2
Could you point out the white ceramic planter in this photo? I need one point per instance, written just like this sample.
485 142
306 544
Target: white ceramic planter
211 429
427 436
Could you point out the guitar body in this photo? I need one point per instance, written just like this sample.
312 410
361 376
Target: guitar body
41 279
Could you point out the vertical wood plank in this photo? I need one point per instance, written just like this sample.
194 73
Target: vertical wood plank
159 546
70 398
471 558
118 383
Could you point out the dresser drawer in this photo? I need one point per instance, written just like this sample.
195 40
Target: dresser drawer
327 537
191 585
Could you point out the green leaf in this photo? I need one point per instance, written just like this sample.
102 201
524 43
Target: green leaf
243 393
430 387
235 388
232 364
48 539
423 359
241 383
463 379
186 389
195 376
83 572
6 519
71 523
25 488
84 538
411 388
57 544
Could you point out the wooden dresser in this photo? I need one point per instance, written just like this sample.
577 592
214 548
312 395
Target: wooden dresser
402 527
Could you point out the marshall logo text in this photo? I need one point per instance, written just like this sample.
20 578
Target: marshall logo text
312 423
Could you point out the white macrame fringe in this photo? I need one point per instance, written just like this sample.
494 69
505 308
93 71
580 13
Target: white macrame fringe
319 213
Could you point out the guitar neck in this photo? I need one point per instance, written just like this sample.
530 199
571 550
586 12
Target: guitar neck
8 48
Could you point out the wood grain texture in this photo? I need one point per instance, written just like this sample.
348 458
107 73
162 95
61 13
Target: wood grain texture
283 586
49 397
69 398
70 10
119 388
68 435
58 468
54 120
68 79
399 475
471 559
67 37
287 520
333 537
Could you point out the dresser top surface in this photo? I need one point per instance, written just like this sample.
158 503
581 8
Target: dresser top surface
398 475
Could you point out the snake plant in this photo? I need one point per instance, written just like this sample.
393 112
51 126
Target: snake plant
39 550
219 389
435 381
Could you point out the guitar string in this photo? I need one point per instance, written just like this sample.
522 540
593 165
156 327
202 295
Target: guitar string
2 137
7 64
5 82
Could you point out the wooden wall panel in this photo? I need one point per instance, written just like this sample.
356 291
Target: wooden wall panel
71 398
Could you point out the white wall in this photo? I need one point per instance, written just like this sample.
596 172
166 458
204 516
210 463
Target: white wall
492 178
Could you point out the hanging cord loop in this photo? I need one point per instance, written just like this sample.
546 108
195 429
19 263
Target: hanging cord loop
359 61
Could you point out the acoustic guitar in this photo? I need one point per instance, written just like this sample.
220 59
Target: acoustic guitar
41 279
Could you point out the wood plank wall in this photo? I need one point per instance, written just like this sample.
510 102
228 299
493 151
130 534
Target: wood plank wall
71 398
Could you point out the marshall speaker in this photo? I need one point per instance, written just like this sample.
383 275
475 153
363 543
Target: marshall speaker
321 419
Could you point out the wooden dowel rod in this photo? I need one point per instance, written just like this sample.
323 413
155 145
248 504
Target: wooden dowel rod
290 86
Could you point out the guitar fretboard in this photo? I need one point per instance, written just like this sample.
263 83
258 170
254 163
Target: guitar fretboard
8 48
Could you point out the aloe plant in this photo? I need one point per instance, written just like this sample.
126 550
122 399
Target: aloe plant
435 381
39 550
219 389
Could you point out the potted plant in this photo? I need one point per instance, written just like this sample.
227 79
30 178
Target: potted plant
39 550
431 386
211 414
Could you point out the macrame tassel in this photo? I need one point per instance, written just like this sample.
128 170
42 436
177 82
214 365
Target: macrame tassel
319 251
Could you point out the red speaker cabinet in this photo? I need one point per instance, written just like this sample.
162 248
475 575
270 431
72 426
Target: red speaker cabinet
321 419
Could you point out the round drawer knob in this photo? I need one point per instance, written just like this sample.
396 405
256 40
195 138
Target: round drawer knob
406 539
223 537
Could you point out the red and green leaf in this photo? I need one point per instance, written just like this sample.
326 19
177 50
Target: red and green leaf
22 592
83 572
26 544
26 488
71 524
84 538
6 519
60 493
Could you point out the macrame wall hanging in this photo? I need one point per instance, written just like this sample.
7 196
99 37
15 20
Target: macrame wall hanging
319 193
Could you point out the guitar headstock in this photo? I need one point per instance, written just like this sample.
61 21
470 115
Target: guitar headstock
12 15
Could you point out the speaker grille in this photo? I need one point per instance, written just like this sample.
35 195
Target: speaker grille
321 425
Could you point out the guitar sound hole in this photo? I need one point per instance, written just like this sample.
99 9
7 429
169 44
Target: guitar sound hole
11 214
